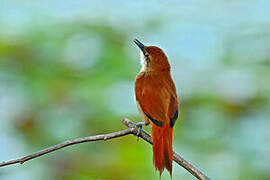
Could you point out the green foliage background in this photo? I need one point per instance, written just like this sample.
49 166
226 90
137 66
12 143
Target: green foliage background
63 78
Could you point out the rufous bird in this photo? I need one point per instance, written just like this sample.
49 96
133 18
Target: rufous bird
157 103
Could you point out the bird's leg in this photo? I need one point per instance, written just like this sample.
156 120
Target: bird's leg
139 126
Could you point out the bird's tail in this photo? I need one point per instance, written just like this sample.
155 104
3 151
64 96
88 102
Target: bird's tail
162 147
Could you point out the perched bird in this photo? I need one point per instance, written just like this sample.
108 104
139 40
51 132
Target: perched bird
157 103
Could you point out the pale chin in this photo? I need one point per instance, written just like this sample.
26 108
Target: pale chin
143 61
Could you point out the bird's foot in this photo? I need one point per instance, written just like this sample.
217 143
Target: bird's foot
139 126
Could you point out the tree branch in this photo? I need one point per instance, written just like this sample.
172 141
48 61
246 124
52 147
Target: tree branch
131 130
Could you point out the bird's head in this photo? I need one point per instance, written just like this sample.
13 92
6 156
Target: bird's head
152 58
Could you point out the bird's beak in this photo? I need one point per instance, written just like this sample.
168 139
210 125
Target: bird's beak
139 44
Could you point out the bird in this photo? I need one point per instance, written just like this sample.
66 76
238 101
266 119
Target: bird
157 103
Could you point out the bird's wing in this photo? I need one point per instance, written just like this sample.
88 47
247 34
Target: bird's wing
173 110
158 104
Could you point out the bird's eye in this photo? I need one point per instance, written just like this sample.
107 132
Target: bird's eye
146 55
147 59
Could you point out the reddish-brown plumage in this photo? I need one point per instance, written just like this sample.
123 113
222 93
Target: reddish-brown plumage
157 102
162 147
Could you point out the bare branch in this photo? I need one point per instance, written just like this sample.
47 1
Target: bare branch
69 143
131 130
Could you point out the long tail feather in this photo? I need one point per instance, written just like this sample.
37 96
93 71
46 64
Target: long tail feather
162 147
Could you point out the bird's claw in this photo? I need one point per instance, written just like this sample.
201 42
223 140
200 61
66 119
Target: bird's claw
139 126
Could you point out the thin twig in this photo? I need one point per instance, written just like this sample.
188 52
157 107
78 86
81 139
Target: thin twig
69 143
131 130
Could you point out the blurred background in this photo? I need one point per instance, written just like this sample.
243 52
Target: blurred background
67 70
